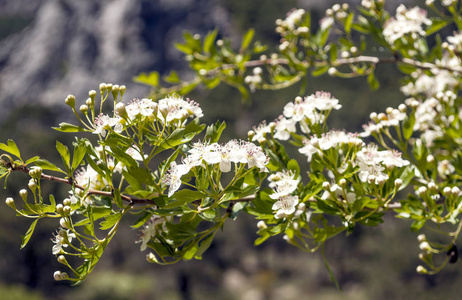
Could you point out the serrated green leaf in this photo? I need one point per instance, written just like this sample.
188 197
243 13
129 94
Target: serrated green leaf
11 148
110 221
25 238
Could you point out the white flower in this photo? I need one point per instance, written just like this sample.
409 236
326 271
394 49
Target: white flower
104 122
89 178
293 18
174 110
173 177
260 131
338 194
323 101
134 153
283 128
62 239
144 107
285 206
283 183
405 22
392 158
150 230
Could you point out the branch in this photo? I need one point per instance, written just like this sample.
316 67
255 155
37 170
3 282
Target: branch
131 200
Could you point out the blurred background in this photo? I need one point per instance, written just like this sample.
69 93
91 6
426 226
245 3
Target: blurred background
52 48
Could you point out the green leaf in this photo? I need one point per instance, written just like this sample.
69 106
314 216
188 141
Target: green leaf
437 24
117 198
110 221
184 48
141 175
66 127
292 165
209 40
11 148
31 160
123 157
204 245
78 155
319 71
349 22
151 79
214 131
46 165
184 197
172 78
181 136
52 201
247 39
372 80
25 238
408 125
187 88
65 154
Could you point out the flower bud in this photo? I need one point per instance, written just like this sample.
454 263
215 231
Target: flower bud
67 202
421 270
89 102
122 90
63 223
261 225
332 71
10 202
102 88
62 260
83 108
58 275
301 206
446 191
455 191
120 110
70 100
430 159
421 238
67 210
92 94
425 246
431 186
398 183
32 185
342 182
59 208
23 194
115 91
250 134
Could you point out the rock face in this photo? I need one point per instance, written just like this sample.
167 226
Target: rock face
71 46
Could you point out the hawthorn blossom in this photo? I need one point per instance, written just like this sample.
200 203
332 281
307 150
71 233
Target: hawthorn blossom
260 131
338 193
150 230
283 128
392 158
406 21
104 122
173 110
144 107
283 183
285 206
89 178
323 101
293 17
62 239
173 177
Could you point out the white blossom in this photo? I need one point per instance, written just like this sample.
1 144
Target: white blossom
285 206
406 21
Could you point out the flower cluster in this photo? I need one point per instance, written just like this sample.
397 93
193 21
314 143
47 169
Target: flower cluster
373 162
283 184
406 21
331 139
306 112
223 155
